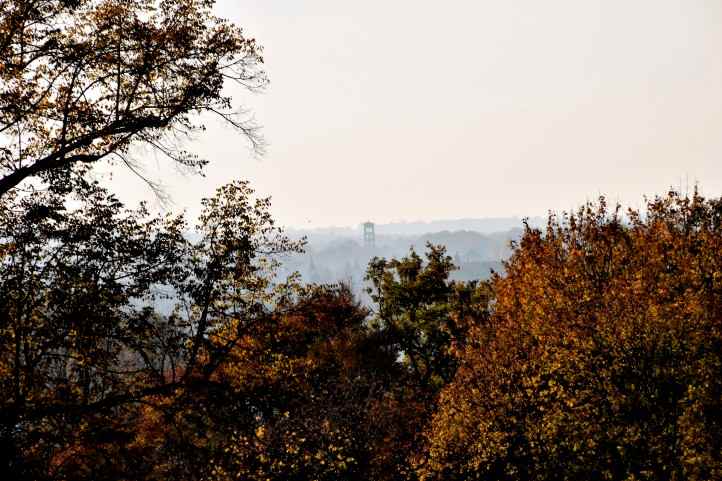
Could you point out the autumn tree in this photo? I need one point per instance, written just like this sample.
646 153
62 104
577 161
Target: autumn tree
83 343
317 391
298 390
88 80
305 394
602 354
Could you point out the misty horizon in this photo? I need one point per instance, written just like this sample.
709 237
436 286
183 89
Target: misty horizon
476 109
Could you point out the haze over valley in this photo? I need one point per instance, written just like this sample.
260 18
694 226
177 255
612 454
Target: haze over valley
339 254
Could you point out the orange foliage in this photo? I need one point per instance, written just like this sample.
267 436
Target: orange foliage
602 356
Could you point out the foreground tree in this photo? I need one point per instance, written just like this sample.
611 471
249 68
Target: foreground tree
602 357
317 391
299 392
82 342
86 80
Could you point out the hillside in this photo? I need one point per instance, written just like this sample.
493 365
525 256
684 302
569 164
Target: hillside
338 255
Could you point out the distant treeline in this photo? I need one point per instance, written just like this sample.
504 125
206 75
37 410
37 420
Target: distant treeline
333 258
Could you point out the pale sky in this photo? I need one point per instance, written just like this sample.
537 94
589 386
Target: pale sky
418 110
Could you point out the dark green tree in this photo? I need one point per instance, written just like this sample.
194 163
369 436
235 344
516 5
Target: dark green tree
417 311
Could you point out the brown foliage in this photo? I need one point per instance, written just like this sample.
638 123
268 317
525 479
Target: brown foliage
602 357
86 80
316 394
83 351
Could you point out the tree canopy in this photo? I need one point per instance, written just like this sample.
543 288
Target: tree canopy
86 80
82 340
602 356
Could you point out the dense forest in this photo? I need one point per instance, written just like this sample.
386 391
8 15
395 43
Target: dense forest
593 353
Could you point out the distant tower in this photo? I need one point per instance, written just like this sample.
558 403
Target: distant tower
369 235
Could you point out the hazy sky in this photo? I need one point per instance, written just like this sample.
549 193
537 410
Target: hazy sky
418 110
